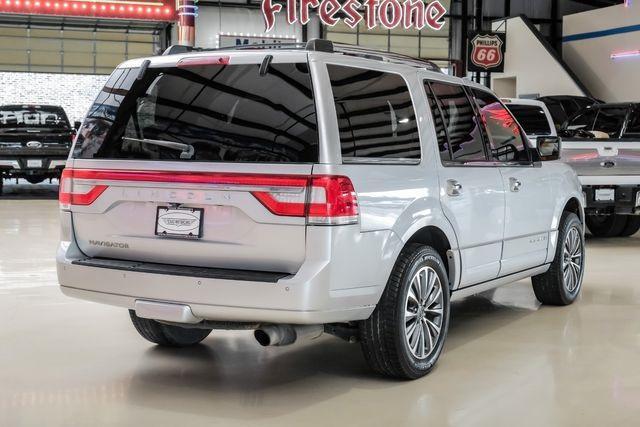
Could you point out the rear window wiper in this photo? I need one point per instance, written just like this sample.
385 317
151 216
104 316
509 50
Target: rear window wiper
187 151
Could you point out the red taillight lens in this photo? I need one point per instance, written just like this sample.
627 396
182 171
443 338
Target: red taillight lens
332 201
326 200
73 192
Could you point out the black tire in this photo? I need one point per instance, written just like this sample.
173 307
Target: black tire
167 335
632 227
35 179
606 225
382 336
554 287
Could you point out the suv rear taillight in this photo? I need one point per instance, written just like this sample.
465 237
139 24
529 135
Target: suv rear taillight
77 193
322 199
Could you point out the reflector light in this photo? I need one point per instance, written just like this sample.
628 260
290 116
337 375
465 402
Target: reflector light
322 199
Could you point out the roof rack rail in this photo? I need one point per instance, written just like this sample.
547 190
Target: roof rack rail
178 48
322 45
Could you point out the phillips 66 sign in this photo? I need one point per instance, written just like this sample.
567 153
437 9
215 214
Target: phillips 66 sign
486 52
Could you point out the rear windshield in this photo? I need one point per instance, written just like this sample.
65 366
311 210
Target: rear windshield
32 116
532 119
216 113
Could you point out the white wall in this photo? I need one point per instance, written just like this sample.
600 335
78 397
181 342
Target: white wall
535 70
73 92
212 20
611 80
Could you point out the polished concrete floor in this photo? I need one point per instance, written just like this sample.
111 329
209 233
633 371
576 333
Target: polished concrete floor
507 361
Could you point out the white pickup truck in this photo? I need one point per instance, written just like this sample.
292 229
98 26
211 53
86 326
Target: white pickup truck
602 143
534 117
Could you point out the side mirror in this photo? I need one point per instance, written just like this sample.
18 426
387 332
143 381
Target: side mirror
549 147
77 124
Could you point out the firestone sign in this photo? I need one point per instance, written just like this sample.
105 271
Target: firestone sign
486 52
388 14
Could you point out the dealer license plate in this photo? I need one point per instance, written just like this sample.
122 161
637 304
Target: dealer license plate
34 163
605 195
179 222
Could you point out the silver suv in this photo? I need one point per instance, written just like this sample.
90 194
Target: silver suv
303 190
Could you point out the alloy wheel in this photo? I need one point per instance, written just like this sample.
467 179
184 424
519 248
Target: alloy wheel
424 312
572 260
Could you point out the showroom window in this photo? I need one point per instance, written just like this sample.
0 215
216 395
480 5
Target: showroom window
58 49
425 43
375 114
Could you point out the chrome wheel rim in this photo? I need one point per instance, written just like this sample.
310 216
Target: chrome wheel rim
424 313
572 260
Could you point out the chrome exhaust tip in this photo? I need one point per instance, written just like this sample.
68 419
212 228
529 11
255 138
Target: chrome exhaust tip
281 335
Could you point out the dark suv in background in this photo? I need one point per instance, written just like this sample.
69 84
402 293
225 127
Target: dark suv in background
34 142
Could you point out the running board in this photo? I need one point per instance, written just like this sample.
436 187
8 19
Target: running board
486 286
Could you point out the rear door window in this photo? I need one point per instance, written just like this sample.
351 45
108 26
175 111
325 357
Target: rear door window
375 114
532 118
464 133
505 137
211 113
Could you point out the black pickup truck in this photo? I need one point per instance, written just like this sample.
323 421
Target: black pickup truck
34 142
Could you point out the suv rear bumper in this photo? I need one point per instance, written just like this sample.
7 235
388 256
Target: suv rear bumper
627 200
324 290
18 168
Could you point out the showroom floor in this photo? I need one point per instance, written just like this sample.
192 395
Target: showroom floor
507 362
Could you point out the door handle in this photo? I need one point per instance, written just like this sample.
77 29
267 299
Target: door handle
515 185
454 188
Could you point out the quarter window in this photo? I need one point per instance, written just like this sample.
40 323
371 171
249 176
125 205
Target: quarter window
505 137
375 114
465 139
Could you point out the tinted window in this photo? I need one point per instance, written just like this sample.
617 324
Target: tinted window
609 122
571 107
460 120
557 112
32 116
224 113
375 114
505 137
532 118
583 121
438 120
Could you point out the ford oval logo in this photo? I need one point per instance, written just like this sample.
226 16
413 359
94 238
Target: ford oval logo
34 144
179 222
